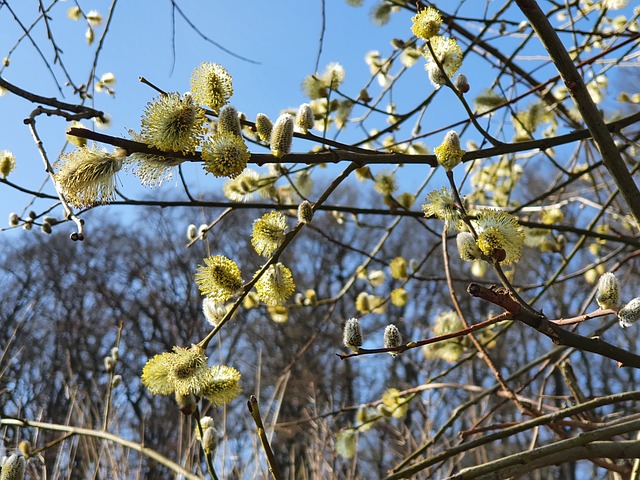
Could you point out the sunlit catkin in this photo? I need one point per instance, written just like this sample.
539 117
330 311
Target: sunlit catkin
608 295
282 135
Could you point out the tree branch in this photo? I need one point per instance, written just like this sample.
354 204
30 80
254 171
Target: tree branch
500 296
588 109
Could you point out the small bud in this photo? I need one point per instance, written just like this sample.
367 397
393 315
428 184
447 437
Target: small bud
437 76
50 220
630 313
77 141
32 215
229 121
392 338
282 135
310 297
109 363
28 224
398 267
209 440
414 265
305 212
46 228
102 123
117 380
186 403
608 295
364 96
74 13
399 297
13 468
364 173
462 84
251 301
14 219
352 335
467 247
6 62
88 35
192 232
347 443
25 448
94 18
304 118
202 230
263 127
449 154
115 353
7 163
376 278
213 311
108 79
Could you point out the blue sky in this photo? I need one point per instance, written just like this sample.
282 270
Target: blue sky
282 36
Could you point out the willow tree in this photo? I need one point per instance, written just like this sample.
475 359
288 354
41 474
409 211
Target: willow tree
516 310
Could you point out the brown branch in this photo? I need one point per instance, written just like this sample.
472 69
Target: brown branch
410 471
252 404
584 317
110 437
578 90
359 157
500 297
86 112
428 341
68 212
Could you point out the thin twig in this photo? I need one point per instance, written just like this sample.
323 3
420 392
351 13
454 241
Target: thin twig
69 215
252 404
593 118
88 432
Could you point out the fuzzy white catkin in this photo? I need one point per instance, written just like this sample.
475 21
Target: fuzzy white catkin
305 212
229 120
282 135
608 291
263 127
467 247
352 335
209 440
304 117
192 232
213 311
392 337
630 313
